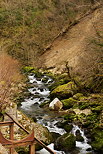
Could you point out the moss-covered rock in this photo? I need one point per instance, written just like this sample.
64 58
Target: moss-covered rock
92 117
41 132
97 109
83 105
61 124
70 117
66 142
45 79
83 102
55 136
37 73
84 98
64 124
59 80
78 136
78 96
68 103
91 120
97 143
49 74
68 127
64 91
28 69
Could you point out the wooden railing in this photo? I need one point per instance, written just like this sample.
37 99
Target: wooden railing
29 140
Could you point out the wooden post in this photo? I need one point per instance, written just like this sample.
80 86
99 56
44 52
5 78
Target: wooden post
12 132
32 149
11 150
11 137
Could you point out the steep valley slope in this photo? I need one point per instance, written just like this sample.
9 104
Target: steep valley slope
77 47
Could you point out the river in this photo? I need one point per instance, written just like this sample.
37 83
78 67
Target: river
30 106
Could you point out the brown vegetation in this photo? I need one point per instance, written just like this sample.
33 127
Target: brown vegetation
9 76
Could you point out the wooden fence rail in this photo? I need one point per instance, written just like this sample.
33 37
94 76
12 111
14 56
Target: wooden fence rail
29 140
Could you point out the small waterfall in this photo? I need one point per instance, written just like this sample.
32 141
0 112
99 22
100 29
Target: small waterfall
83 146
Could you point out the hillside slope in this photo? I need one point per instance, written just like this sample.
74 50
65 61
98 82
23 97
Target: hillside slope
77 47
27 27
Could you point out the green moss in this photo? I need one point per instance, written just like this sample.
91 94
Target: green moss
50 74
82 118
55 85
28 69
92 119
97 109
59 80
78 96
37 73
83 105
64 91
83 98
70 117
95 103
68 103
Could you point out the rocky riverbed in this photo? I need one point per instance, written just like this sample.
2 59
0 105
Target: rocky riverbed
78 115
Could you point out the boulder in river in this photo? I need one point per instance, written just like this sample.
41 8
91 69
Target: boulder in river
64 124
78 136
56 105
66 142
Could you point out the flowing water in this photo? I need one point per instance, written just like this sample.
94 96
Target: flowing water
30 106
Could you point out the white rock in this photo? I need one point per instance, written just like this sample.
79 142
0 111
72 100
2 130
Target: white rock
56 104
85 111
